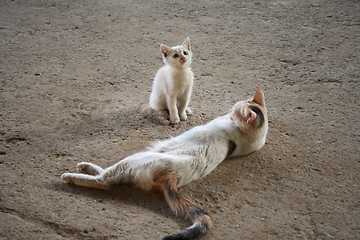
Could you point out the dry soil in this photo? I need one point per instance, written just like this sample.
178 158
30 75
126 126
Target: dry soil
73 75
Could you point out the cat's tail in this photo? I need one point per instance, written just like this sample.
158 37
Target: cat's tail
167 181
154 115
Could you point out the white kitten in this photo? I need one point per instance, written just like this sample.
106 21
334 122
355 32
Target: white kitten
178 161
172 86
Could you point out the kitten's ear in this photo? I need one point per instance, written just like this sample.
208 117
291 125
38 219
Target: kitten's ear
186 43
164 49
259 97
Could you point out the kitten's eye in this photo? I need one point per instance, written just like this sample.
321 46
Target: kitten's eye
175 55
185 53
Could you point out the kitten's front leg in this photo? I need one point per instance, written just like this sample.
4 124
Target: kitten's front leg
183 116
174 115
174 120
182 112
186 112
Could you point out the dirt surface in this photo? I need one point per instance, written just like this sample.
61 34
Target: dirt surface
75 73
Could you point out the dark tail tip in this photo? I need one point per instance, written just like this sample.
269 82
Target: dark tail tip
190 233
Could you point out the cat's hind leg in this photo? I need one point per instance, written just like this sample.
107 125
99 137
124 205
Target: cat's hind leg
89 168
84 180
94 176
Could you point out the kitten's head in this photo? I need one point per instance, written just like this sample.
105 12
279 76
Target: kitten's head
250 115
177 56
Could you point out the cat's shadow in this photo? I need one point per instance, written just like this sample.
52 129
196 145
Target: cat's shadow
128 195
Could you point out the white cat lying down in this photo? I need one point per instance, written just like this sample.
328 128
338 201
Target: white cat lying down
175 162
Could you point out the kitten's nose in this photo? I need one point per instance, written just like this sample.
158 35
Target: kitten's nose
183 59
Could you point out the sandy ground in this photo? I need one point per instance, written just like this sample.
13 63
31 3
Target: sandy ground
75 73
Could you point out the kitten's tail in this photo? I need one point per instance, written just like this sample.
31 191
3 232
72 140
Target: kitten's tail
154 115
167 181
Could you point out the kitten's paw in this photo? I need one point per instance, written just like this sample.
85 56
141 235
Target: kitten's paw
66 178
174 120
188 111
183 116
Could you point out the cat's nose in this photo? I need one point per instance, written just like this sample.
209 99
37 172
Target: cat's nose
183 59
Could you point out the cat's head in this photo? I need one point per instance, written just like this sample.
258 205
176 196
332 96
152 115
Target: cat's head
177 56
251 114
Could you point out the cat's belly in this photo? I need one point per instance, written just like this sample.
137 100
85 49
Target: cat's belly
201 164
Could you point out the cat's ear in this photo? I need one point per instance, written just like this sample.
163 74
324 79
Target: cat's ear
259 97
164 49
186 44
